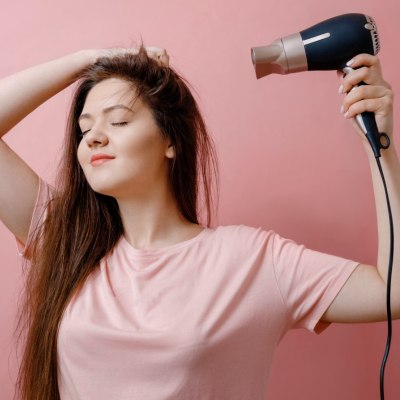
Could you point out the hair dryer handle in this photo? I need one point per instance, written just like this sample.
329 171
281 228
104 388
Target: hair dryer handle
367 123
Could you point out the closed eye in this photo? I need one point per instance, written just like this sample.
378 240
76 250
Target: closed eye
83 133
122 123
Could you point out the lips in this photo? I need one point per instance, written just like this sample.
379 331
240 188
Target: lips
98 159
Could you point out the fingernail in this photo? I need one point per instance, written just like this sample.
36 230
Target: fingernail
342 109
346 115
351 62
341 89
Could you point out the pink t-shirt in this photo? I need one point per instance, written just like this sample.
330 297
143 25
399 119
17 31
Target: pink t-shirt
196 320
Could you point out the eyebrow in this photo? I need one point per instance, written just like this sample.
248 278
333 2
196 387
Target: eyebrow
106 111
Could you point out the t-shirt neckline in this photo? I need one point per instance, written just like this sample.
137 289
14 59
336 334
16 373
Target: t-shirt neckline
165 249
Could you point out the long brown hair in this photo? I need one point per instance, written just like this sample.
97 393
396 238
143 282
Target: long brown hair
82 226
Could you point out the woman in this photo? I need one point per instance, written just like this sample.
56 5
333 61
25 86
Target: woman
128 295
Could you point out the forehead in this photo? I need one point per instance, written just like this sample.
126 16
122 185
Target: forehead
108 93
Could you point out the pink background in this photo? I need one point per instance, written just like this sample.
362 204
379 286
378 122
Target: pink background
289 161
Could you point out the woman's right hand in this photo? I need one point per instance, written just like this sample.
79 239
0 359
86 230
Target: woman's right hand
157 53
19 183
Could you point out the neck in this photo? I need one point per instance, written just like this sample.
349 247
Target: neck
154 220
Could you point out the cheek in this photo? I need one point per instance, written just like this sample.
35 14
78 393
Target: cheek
80 154
141 148
148 148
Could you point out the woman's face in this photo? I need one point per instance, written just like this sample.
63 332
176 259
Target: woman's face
122 152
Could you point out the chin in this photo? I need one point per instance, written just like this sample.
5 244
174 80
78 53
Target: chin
115 189
104 188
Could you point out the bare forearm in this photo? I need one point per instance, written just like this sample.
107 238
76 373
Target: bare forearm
391 169
377 97
23 92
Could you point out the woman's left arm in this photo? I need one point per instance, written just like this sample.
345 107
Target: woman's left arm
363 297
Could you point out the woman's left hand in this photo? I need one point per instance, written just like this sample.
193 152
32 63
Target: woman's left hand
375 96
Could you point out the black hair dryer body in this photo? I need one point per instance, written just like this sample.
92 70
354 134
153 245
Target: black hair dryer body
328 45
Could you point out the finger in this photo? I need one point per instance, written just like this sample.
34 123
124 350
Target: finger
163 56
340 74
378 106
366 60
116 52
354 78
158 53
164 59
367 75
155 49
364 92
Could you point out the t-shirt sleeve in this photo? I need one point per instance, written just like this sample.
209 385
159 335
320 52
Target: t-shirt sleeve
308 281
39 212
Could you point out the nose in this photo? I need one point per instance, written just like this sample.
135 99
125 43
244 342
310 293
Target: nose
96 137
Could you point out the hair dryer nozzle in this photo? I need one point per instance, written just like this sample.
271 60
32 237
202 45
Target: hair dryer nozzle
282 56
269 59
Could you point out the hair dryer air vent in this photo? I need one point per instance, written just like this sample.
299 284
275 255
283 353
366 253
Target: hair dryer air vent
371 25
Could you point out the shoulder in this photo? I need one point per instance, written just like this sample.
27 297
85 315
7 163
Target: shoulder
242 235
237 230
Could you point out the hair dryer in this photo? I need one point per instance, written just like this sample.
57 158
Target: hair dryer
328 45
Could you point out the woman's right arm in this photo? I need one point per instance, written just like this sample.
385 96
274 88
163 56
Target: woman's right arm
20 94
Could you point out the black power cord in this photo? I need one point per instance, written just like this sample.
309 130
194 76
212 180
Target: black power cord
380 141
388 285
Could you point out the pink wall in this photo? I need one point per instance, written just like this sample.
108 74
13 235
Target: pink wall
289 161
